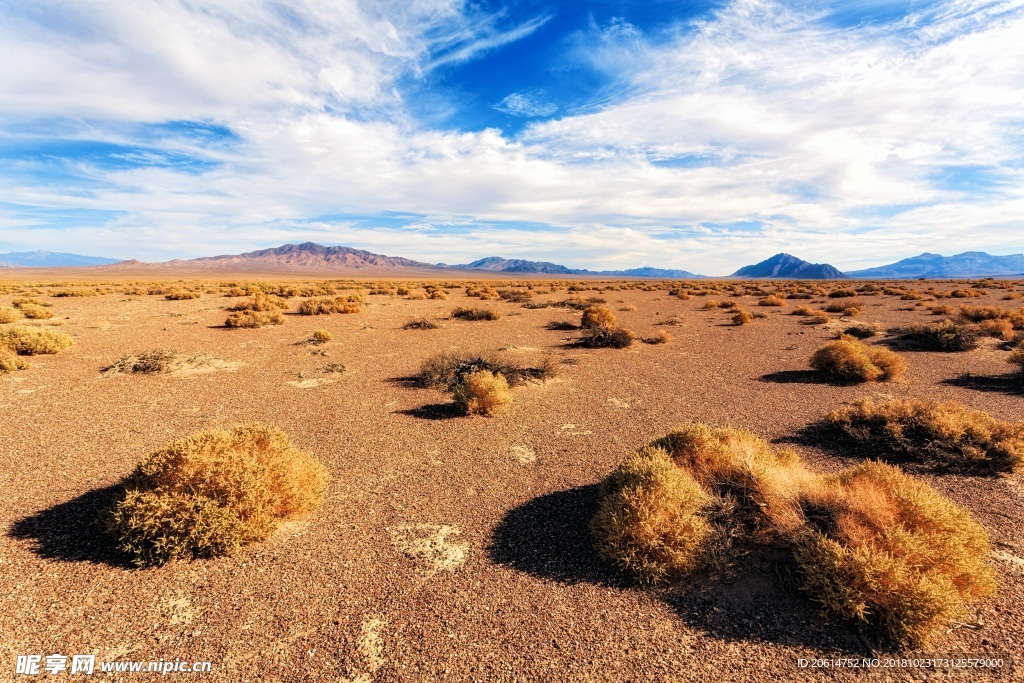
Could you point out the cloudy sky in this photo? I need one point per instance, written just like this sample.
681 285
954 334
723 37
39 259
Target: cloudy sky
603 134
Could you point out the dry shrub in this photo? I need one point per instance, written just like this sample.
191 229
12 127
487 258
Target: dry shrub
673 320
849 360
10 362
321 336
871 543
598 317
1017 358
181 295
1000 329
804 311
325 305
862 331
741 317
842 294
844 306
75 293
710 305
948 435
603 337
515 296
647 523
661 337
482 392
628 308
891 551
772 300
254 319
212 492
159 361
466 313
420 324
261 302
447 370
33 341
942 309
35 312
818 319
944 336
9 315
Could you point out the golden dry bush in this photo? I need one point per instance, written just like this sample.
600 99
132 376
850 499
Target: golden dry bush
35 311
210 493
466 313
261 302
182 295
942 336
598 317
891 551
849 360
10 362
75 292
33 341
662 337
482 392
710 305
446 370
9 315
944 434
1000 329
1017 358
325 305
254 319
321 336
648 522
772 300
741 317
605 337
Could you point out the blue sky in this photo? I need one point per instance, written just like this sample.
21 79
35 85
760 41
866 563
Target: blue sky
607 134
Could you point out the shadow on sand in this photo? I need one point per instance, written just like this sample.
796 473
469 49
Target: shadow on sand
70 531
549 537
434 411
1001 384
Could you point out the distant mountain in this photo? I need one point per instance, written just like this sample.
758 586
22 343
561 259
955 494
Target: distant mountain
497 264
49 259
786 266
305 256
5 264
648 271
967 264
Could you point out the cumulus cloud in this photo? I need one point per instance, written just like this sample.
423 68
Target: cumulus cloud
824 138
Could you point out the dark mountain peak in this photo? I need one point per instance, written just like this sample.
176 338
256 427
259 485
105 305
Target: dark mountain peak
967 264
789 266
498 264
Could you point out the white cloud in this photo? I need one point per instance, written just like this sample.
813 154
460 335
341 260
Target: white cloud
800 125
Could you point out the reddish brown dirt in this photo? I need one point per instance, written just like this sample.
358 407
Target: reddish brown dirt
502 585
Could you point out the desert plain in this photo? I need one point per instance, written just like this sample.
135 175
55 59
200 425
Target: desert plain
453 547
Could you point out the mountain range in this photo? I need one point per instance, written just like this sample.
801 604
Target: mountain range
310 256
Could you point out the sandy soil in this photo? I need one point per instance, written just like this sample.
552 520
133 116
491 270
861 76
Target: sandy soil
449 548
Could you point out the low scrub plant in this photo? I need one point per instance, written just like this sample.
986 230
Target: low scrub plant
603 337
35 312
772 300
942 336
211 493
871 543
862 331
466 313
9 362
446 370
254 319
741 317
261 302
947 435
598 317
325 305
9 315
420 324
33 341
321 336
482 392
662 337
1017 359
181 295
158 361
849 360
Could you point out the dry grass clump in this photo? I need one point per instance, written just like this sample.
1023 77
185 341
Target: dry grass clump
446 370
261 302
181 295
891 551
944 336
842 294
862 331
1000 329
325 305
159 361
254 319
515 296
598 317
466 313
75 293
482 392
772 300
321 336
849 360
33 341
710 305
9 362
948 435
1017 358
662 337
9 315
648 522
741 317
870 543
210 493
420 324
673 320
611 338
35 312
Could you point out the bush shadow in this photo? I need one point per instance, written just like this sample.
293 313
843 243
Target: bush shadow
1000 384
434 411
802 377
70 531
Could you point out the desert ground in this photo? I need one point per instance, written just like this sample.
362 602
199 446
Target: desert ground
452 547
